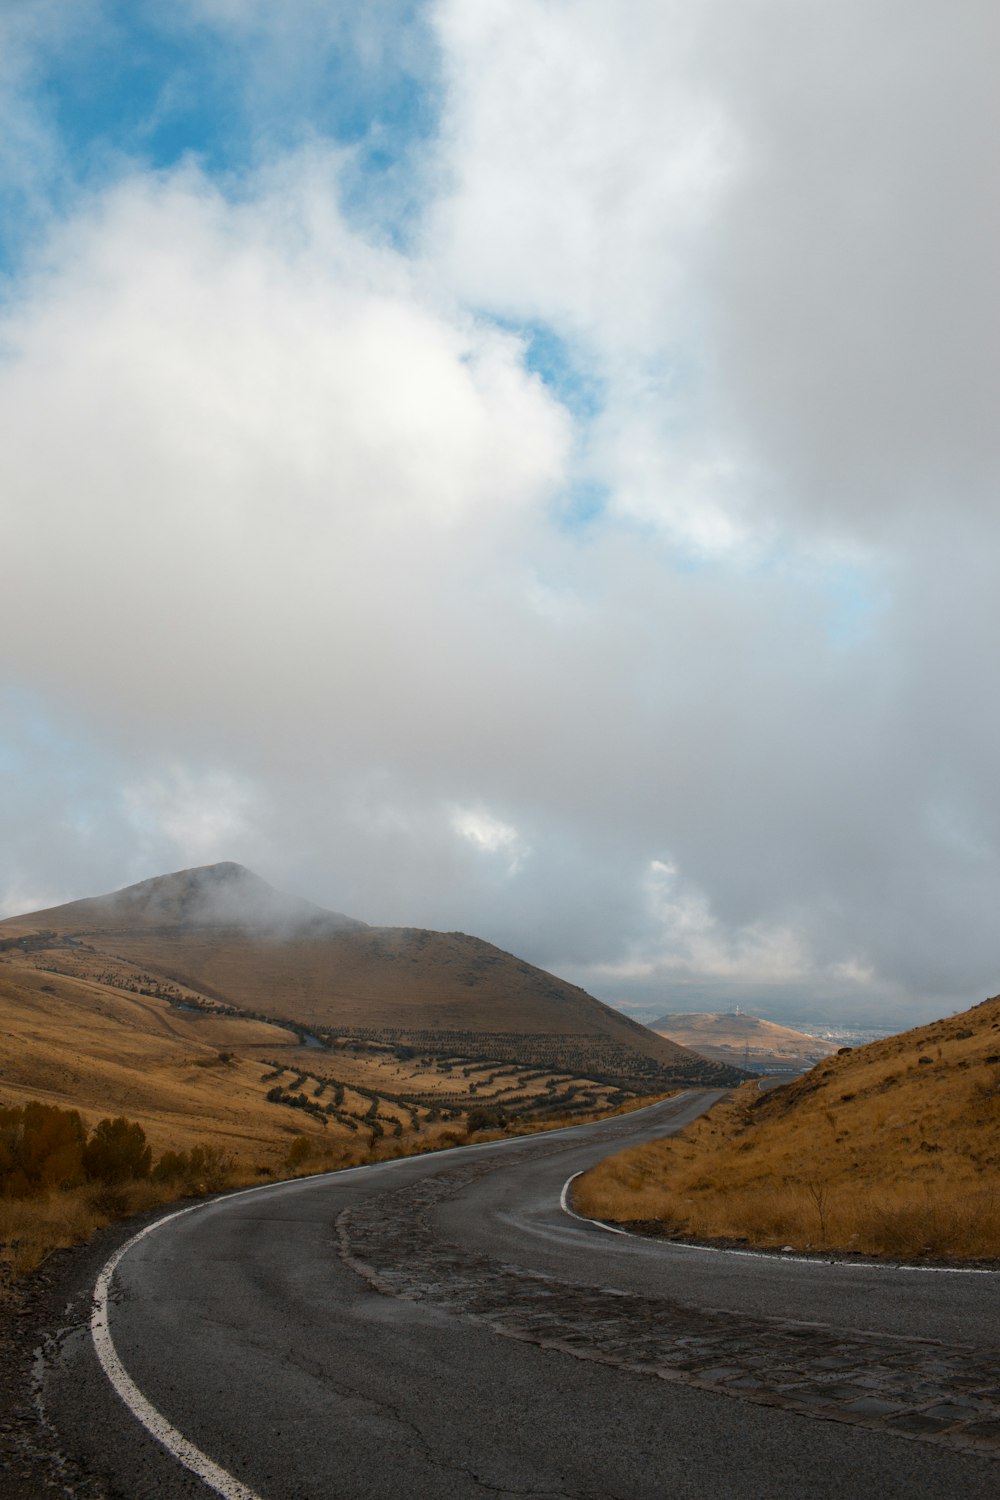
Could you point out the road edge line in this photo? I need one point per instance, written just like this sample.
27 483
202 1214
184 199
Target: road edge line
597 1223
155 1423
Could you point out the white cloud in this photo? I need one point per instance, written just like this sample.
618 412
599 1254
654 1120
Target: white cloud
491 835
583 152
772 227
247 395
685 938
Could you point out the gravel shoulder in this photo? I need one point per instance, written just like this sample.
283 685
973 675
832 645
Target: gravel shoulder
35 1315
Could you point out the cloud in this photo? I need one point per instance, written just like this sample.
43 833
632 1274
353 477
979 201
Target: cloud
605 566
203 817
491 835
245 396
774 227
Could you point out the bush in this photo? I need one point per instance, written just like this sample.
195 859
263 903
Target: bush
41 1146
299 1151
210 1168
202 1169
173 1166
117 1152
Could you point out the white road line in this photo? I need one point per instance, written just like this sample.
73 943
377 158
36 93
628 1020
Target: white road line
772 1256
595 1223
154 1422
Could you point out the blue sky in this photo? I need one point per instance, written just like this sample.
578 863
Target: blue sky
447 470
124 86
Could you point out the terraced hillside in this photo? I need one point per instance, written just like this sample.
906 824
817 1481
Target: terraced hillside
190 1072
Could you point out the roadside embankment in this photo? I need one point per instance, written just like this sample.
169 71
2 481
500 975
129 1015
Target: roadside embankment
890 1150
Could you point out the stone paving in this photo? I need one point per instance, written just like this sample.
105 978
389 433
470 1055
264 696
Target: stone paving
913 1388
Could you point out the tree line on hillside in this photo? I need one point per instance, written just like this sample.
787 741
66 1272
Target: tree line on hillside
601 1059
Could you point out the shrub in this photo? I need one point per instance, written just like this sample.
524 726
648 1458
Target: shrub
173 1166
210 1168
202 1169
117 1151
41 1146
299 1151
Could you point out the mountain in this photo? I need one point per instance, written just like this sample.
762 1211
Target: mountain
741 1039
230 940
226 895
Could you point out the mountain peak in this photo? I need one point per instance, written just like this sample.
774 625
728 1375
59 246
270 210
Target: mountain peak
225 895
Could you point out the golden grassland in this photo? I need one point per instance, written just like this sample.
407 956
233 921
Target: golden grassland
890 1150
75 1043
186 1075
196 1079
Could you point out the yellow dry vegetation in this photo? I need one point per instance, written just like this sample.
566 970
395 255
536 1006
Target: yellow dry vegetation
892 1150
197 1079
32 1228
74 1043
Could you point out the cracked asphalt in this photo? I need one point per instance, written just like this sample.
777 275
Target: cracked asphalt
437 1327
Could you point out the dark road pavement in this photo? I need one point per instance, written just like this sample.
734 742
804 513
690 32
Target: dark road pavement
440 1327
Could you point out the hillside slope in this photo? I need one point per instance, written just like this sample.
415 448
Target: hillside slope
738 1039
893 1148
224 934
77 1044
190 1074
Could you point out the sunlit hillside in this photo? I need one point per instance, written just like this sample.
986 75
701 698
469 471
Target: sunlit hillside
189 1075
240 1099
739 1039
890 1149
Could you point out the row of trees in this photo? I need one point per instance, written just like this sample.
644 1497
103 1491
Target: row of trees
44 1147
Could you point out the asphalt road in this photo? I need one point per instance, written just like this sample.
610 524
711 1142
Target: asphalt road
440 1327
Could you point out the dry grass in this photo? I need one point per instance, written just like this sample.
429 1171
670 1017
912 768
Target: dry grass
98 1048
890 1150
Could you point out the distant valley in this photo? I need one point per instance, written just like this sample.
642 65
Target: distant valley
742 1040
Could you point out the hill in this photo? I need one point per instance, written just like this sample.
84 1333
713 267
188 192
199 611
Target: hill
892 1149
223 939
742 1040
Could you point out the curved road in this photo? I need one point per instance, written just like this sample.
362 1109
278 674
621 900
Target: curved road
440 1327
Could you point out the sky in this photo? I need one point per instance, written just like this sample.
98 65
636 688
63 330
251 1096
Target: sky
521 467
